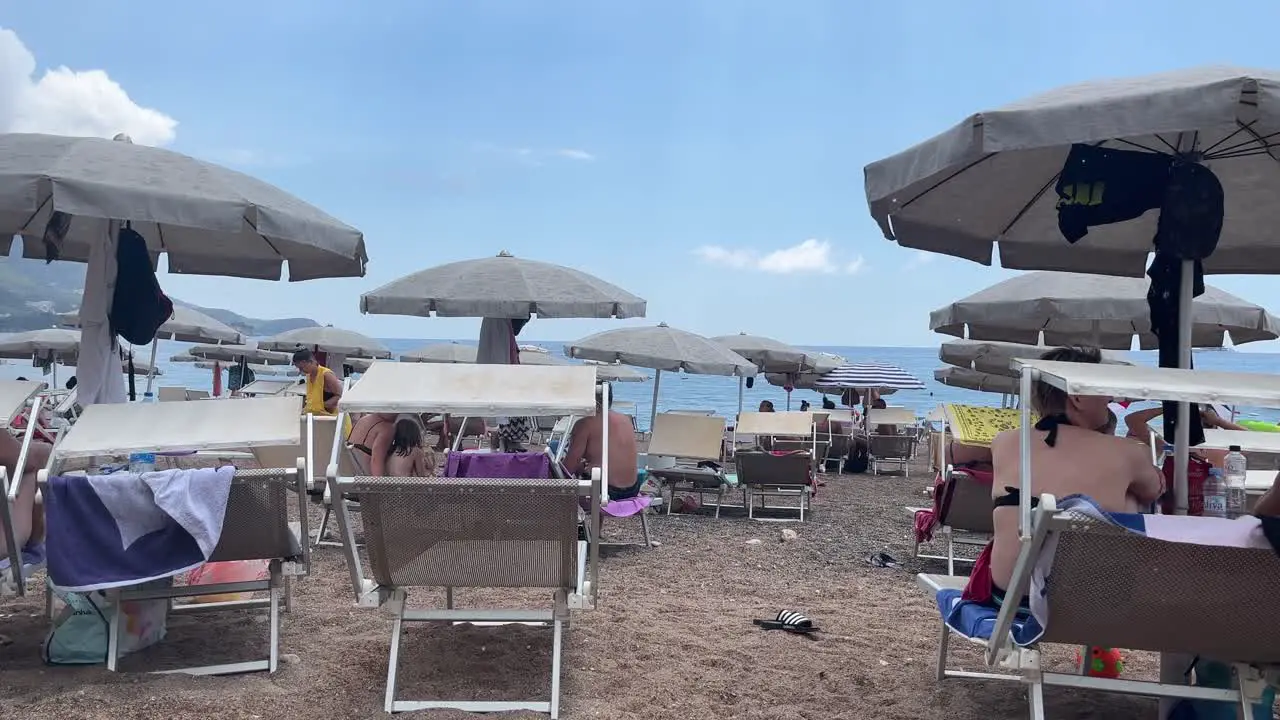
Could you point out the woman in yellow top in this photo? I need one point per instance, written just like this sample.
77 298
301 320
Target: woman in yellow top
324 389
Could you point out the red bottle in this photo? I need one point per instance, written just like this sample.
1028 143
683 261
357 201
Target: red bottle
1197 473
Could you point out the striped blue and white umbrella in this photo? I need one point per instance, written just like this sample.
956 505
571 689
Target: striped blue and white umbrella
869 375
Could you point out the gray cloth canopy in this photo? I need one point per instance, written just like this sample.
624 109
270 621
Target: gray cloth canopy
502 287
1074 308
250 352
661 347
768 354
209 220
185 325
994 357
328 339
976 380
990 179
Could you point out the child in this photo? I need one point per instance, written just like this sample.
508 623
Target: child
408 457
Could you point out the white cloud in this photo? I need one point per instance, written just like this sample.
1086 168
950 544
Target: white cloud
575 154
919 258
63 101
810 256
534 156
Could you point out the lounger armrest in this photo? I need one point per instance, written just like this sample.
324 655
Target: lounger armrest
932 584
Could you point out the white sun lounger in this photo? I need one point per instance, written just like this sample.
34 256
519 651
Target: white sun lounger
257 523
267 387
14 397
472 532
689 439
965 518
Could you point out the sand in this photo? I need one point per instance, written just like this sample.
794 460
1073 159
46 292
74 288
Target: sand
672 638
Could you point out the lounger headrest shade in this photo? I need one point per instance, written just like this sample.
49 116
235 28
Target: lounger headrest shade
891 416
793 423
14 395
267 387
1149 383
474 390
119 429
693 437
1248 440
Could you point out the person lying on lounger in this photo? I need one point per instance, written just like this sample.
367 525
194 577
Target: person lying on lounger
28 517
1137 427
1070 453
586 450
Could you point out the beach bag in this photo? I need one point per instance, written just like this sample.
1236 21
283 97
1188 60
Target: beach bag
859 458
228 572
80 630
138 307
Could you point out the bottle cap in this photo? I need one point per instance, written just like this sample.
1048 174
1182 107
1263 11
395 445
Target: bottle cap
1233 448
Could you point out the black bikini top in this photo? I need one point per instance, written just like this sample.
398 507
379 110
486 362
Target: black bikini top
1051 423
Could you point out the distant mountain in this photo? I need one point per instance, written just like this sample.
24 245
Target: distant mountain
33 293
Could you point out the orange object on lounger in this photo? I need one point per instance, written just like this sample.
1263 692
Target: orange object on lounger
227 572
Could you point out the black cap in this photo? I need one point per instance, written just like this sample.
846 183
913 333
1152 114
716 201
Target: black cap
1234 448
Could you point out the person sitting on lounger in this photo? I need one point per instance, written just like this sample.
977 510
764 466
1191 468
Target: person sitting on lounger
586 451
371 436
408 456
1069 455
1138 428
975 457
475 428
28 515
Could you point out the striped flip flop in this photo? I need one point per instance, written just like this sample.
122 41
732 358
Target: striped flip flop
790 621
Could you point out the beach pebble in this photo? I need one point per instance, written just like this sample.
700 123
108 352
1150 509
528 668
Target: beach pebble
788 535
753 541
290 659
654 543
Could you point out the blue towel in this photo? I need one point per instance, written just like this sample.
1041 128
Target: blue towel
977 620
124 529
32 557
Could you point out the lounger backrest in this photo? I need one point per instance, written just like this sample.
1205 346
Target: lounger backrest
257 521
695 437
325 428
966 504
172 394
891 446
1127 590
470 532
795 424
197 394
763 468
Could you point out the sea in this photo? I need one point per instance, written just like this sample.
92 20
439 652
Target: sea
720 394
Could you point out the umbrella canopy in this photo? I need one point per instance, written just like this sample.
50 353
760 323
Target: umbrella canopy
661 348
870 376
209 220
768 354
232 353
183 358
502 287
140 367
614 372
533 357
326 339
185 325
57 343
254 368
1071 308
992 357
990 179
442 353
975 380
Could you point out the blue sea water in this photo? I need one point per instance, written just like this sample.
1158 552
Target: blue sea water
679 390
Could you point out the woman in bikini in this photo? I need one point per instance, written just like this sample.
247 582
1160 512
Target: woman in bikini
372 436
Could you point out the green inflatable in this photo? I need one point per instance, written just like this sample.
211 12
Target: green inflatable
1259 426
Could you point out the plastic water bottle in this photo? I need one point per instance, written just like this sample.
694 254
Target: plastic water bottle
1235 469
1215 494
142 462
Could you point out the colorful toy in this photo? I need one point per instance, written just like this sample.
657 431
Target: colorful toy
1104 662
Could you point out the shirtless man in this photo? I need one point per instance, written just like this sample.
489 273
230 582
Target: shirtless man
586 450
1069 454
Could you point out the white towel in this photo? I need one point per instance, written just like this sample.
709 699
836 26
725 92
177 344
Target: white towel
142 504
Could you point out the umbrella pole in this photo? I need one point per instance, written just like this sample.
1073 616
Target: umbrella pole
151 376
653 409
740 381
1182 439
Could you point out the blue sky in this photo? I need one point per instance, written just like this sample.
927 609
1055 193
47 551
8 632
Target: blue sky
686 150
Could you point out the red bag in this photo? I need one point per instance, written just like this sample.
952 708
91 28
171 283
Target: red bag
1197 473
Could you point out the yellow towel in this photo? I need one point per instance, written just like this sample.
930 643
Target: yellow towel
977 425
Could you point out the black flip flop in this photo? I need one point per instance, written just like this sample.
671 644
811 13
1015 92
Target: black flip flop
790 621
884 560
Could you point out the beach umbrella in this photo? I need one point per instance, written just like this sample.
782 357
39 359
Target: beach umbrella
502 287
327 339
256 369
659 348
184 325
976 380
1072 308
869 376
995 358
616 372
769 355
1066 180
442 353
248 352
70 197
530 357
183 358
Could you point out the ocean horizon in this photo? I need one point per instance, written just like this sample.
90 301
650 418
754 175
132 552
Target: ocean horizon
720 394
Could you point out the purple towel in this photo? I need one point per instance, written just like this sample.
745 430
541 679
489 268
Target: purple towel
626 508
498 465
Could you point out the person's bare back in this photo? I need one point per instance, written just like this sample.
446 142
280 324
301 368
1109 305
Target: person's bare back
411 464
1116 473
586 448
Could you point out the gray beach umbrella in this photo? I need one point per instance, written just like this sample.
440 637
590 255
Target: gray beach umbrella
995 358
265 370
327 339
768 354
976 380
442 353
502 287
660 347
1108 312
249 352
